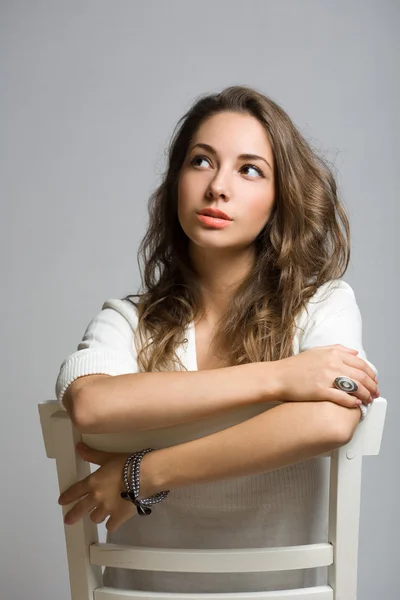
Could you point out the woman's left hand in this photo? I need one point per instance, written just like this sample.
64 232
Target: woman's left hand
100 490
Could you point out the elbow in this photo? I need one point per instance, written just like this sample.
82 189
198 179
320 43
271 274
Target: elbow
340 423
79 403
80 413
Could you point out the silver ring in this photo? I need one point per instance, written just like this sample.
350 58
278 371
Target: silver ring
345 384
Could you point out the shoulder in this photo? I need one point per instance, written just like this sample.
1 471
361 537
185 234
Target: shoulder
107 346
114 325
332 296
331 316
333 308
120 311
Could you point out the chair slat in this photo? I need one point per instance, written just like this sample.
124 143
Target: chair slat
315 593
247 560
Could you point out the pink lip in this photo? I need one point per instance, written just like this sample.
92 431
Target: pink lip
214 212
213 221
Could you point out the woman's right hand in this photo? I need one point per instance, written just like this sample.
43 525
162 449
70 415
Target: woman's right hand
309 376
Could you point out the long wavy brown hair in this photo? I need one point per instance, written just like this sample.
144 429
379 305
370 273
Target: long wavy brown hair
305 244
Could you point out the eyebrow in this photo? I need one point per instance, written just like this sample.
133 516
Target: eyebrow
246 156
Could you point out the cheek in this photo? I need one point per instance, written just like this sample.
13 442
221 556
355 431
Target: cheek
187 196
259 208
183 204
183 190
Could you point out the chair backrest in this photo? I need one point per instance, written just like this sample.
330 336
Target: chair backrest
86 555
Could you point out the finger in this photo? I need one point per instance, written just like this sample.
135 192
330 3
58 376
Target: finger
117 519
366 386
362 365
342 398
97 457
114 523
80 509
98 515
77 490
363 393
345 348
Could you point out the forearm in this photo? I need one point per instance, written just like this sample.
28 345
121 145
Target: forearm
283 435
142 401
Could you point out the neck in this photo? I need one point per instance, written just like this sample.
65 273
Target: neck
221 273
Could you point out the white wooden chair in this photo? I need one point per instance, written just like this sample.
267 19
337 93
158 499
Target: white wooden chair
86 555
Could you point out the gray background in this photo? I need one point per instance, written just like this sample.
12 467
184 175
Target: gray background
90 92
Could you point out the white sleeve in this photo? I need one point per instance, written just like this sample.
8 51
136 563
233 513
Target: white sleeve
107 346
335 319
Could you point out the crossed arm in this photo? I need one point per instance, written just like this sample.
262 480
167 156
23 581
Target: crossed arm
285 434
282 435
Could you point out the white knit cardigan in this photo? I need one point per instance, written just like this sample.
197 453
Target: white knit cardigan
286 506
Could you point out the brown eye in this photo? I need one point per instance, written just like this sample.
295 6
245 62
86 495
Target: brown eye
192 162
260 173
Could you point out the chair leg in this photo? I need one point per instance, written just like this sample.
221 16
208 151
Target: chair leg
83 576
344 518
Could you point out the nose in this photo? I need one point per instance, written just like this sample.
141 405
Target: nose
218 187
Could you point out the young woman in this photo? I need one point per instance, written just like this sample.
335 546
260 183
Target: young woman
242 306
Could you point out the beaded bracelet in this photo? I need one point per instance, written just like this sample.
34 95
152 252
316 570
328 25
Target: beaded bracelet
132 489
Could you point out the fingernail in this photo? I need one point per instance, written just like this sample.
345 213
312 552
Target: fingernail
358 402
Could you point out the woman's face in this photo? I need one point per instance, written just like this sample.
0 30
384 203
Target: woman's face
217 176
